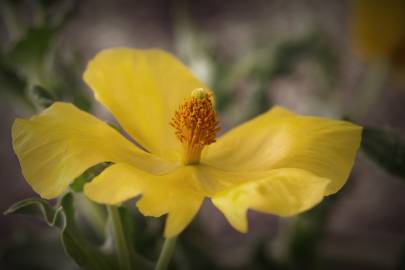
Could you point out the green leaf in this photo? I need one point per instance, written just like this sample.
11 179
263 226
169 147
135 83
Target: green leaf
281 61
62 216
85 254
37 207
29 52
41 97
386 148
314 46
58 12
10 81
128 223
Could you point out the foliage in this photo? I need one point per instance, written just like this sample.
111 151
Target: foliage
386 148
62 217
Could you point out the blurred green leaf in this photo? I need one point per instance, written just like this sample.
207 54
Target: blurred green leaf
28 54
62 216
94 216
41 97
58 12
128 222
314 46
67 80
281 60
221 85
82 102
386 148
85 254
11 83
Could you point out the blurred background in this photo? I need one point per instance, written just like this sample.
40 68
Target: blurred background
340 59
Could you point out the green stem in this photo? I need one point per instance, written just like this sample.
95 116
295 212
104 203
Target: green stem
166 253
121 244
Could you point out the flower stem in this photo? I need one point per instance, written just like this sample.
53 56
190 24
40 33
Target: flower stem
121 244
166 253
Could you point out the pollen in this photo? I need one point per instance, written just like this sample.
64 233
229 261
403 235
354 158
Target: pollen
196 124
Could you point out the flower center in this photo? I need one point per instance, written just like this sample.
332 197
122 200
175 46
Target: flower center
196 124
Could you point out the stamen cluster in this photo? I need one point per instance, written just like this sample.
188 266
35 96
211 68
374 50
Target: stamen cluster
196 125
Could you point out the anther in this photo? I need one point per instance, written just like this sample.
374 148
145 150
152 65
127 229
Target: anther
196 124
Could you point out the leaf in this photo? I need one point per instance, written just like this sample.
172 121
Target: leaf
272 62
314 46
41 97
85 254
29 52
62 216
10 81
58 12
37 207
128 223
386 148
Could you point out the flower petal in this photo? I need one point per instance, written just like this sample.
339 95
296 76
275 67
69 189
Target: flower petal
283 192
142 89
177 194
115 184
282 139
59 144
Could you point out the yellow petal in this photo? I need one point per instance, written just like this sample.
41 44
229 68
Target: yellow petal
282 139
214 180
283 192
59 144
177 194
142 89
115 185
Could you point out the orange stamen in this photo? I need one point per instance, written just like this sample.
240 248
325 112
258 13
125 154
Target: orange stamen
196 124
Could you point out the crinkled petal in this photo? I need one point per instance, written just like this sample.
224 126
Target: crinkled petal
177 194
282 192
281 139
59 144
142 89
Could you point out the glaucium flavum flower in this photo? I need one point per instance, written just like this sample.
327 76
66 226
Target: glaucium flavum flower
278 162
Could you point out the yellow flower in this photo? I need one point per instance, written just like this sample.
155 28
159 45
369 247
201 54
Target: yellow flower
279 162
378 29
